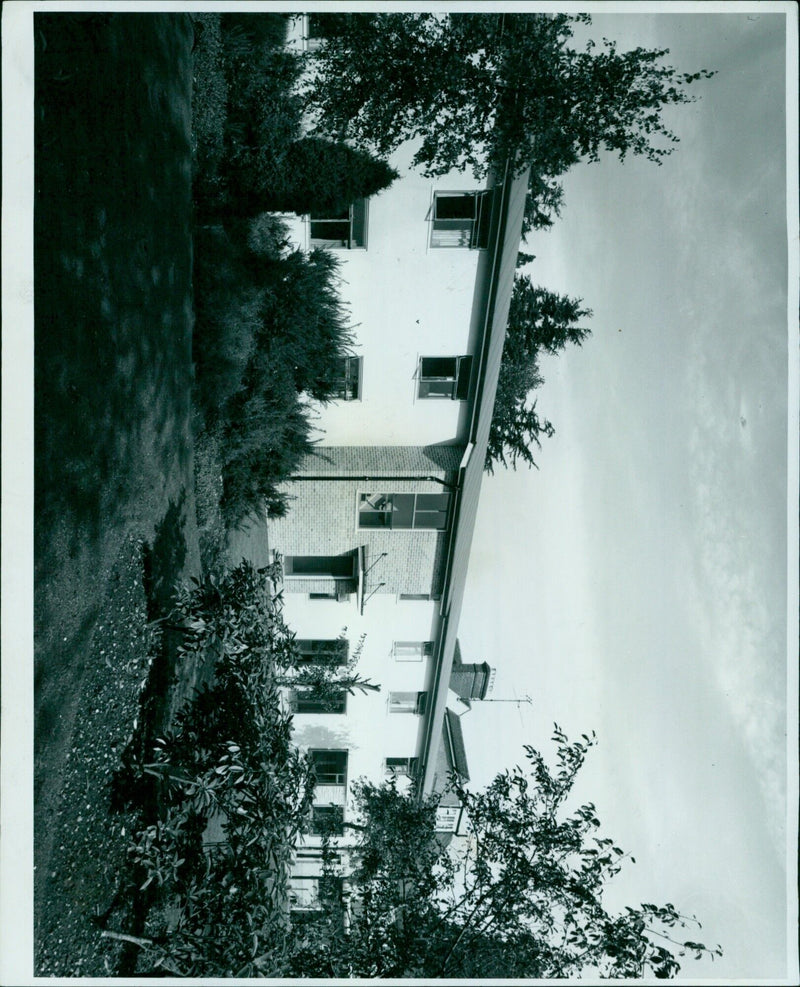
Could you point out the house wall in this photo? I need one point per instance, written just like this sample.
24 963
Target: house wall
323 516
406 300
368 730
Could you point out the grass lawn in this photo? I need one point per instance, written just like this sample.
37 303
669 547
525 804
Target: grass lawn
114 496
128 473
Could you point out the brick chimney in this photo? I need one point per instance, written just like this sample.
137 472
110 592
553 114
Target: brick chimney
470 681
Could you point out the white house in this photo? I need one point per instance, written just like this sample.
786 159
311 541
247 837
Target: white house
377 539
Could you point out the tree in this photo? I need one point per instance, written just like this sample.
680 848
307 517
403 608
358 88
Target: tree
543 203
310 175
541 320
219 909
538 321
483 89
521 897
328 673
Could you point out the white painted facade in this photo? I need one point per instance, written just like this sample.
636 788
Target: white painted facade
407 299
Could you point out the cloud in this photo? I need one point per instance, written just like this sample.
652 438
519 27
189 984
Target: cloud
737 589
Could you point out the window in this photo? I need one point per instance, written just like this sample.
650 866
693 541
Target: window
330 766
327 651
327 820
315 32
333 566
422 597
408 702
344 231
412 650
311 701
444 377
347 385
408 510
405 766
317 855
461 219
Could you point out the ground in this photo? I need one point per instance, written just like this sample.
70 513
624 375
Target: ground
114 497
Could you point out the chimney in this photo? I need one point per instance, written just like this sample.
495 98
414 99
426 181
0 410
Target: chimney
471 681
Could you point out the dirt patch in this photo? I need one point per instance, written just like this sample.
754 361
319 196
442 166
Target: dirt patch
87 843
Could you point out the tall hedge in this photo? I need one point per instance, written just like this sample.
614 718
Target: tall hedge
310 175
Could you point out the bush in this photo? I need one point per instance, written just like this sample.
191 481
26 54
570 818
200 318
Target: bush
267 436
268 327
253 31
233 287
209 95
227 320
326 177
244 101
306 324
219 910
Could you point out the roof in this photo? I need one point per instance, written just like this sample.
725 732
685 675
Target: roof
493 293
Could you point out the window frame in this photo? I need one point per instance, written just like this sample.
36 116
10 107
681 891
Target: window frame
412 650
305 703
334 651
445 230
388 511
408 702
404 767
357 212
348 386
351 558
337 774
459 381
312 41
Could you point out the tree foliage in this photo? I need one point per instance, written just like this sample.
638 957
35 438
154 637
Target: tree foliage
327 674
539 321
522 896
306 176
481 89
217 907
270 325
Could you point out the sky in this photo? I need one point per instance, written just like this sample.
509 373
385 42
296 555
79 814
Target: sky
637 582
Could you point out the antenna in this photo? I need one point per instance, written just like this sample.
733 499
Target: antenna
525 699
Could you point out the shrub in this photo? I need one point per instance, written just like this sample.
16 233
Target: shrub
266 236
219 910
264 119
306 323
253 476
227 319
209 100
326 177
250 32
268 327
